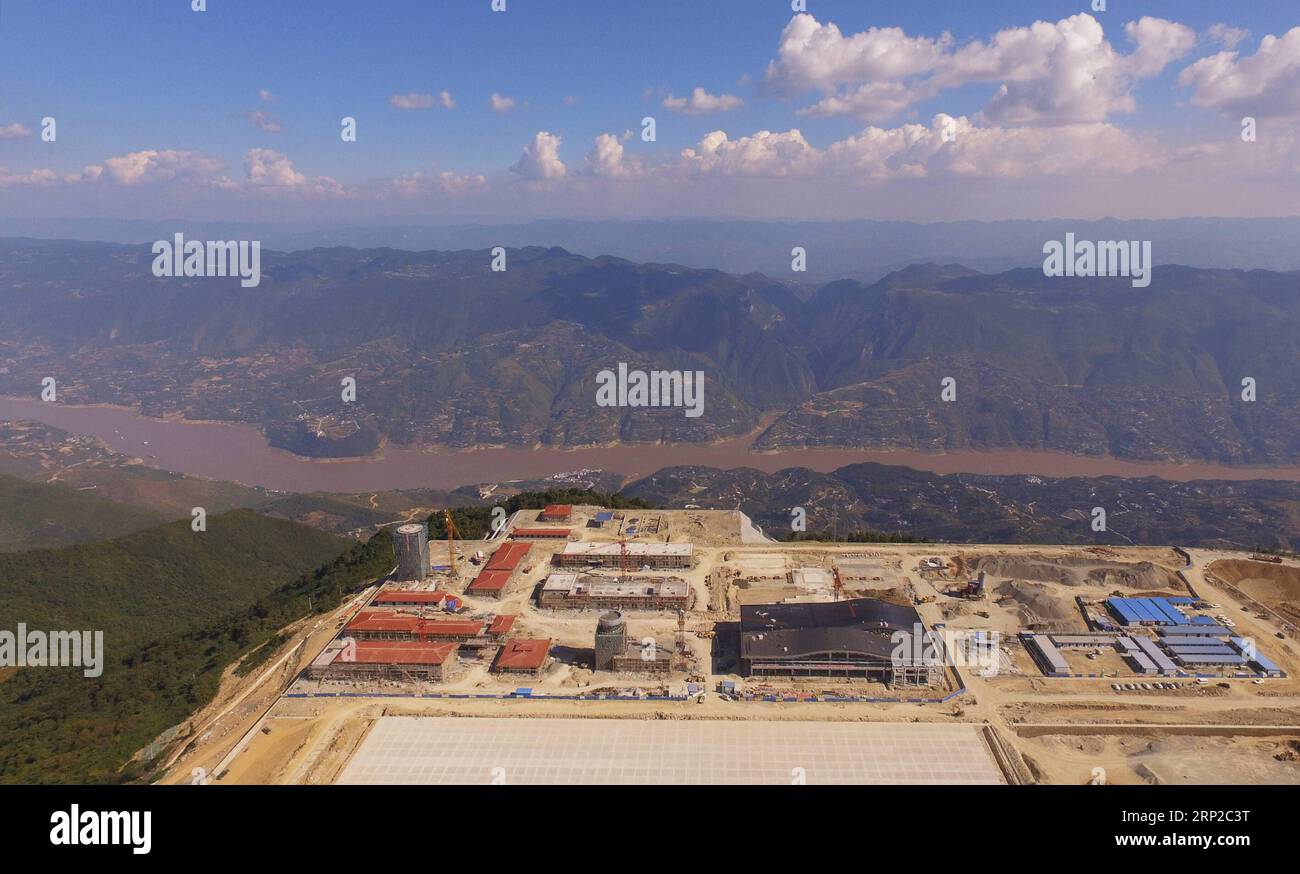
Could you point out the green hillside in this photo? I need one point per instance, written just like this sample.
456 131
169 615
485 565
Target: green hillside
176 608
41 515
143 585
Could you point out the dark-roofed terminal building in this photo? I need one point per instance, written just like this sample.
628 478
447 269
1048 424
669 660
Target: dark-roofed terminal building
847 639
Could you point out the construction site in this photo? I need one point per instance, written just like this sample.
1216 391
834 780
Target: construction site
1039 658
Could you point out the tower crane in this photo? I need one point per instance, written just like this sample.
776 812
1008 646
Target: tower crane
452 534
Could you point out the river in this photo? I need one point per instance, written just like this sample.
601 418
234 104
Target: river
240 453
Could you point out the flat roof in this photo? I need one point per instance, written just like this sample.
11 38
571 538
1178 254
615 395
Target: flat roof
615 587
540 532
561 582
522 654
458 751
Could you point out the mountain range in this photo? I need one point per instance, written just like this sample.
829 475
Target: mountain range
448 352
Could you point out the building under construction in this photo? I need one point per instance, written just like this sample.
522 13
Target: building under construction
411 544
848 639
615 652
390 625
414 599
500 569
626 556
574 591
405 660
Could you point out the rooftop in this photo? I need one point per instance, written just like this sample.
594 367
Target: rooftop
489 581
380 621
522 654
613 549
596 586
787 631
409 596
507 557
402 652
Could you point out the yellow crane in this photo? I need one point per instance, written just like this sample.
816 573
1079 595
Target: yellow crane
452 534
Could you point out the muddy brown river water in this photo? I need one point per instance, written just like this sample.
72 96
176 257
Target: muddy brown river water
240 453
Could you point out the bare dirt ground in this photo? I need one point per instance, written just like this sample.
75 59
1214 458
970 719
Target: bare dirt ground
309 740
213 732
1178 759
1277 585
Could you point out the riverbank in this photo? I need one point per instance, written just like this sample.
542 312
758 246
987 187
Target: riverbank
240 453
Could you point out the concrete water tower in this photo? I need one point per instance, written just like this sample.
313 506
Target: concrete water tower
411 543
611 639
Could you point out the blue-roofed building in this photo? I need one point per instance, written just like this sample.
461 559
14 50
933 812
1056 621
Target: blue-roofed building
1171 613
1122 610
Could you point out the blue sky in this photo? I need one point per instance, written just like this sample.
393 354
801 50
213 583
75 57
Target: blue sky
138 78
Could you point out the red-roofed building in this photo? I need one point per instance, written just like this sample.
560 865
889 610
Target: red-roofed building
507 557
501 625
384 660
540 534
408 598
522 656
386 625
489 584
492 580
555 513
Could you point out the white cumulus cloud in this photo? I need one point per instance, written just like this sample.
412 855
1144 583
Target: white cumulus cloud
1266 83
540 161
1063 72
701 102
269 169
153 166
607 159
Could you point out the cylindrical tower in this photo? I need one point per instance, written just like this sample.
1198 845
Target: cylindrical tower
611 639
411 543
